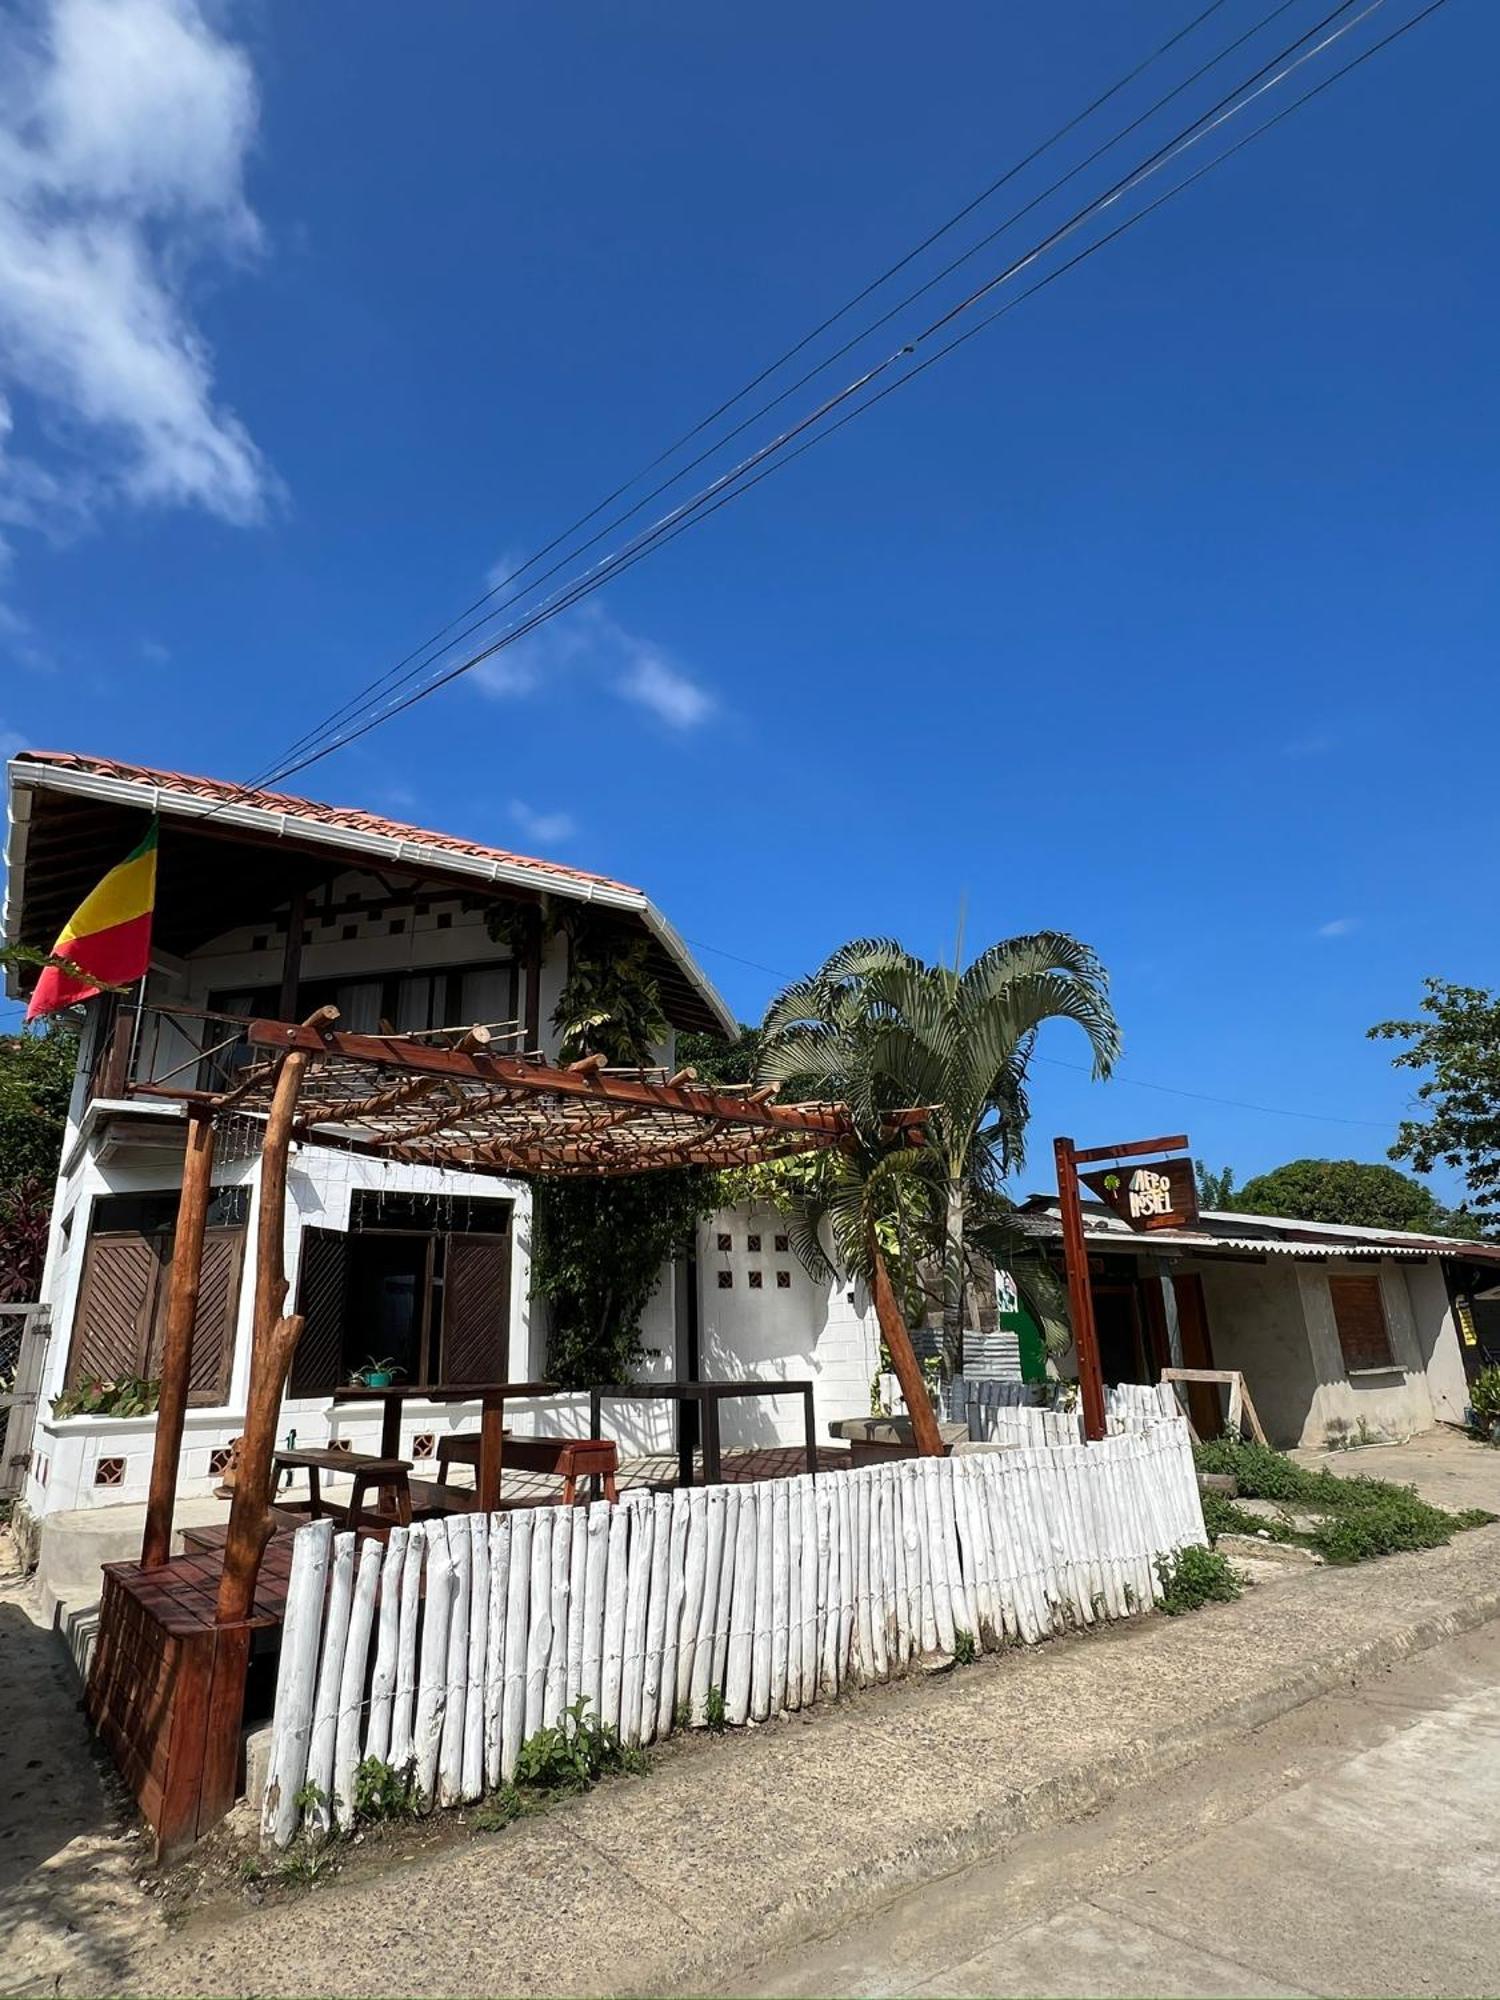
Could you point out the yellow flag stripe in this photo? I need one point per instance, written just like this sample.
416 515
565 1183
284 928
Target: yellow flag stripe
126 892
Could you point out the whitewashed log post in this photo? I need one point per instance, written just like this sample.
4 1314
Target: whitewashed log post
383 1677
764 1613
713 1517
859 1516
616 1585
742 1612
807 1489
351 1714
724 1598
828 1586
472 1774
694 1581
656 1619
556 1692
669 1700
432 1666
404 1703
296 1681
330 1675
456 1675
596 1564
577 1593
539 1636
494 1655
517 1608
848 1609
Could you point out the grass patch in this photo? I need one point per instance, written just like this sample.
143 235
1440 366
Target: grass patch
1193 1577
965 1649
1358 1518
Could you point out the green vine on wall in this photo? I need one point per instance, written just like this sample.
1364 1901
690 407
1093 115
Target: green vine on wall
598 1247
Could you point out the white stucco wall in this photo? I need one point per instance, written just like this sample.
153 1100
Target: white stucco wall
1257 1324
825 1332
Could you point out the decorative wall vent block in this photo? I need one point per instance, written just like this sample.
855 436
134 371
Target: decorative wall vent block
756 1280
726 1281
424 1445
783 1281
726 1241
752 1243
109 1472
218 1458
783 1244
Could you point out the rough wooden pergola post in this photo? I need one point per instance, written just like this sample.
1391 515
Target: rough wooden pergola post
177 1343
273 1343
924 1428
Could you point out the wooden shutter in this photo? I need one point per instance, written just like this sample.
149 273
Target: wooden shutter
116 1301
1359 1314
476 1309
213 1328
317 1364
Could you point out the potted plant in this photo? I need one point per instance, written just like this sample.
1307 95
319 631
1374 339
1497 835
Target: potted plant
376 1374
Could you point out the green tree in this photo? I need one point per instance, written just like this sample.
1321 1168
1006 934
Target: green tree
1360 1194
1215 1189
36 1081
1458 1042
882 1030
717 1060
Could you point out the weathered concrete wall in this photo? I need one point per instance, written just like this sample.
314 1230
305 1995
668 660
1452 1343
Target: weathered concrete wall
1393 1401
1438 1341
1257 1324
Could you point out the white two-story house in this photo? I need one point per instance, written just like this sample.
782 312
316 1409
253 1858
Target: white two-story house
268 907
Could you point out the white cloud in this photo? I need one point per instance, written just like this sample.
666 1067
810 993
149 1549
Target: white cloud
1338 927
668 693
124 129
588 643
154 653
542 826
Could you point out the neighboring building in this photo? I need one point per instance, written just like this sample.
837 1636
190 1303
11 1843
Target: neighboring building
1333 1328
270 906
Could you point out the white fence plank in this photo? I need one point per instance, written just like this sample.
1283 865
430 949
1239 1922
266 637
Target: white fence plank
761 1596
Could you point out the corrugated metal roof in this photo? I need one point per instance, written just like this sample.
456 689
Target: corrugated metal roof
1275 1235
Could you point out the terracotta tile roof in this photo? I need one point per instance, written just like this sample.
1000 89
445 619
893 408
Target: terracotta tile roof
350 818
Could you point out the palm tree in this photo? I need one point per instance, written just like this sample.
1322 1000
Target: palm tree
882 1030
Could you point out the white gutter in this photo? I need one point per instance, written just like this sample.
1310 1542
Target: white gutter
26 776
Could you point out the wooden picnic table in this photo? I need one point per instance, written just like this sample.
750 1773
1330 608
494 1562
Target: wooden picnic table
708 1396
491 1398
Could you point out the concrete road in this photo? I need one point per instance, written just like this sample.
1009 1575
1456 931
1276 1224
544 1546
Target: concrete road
1353 1847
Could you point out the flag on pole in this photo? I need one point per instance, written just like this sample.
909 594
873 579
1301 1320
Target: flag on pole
107 940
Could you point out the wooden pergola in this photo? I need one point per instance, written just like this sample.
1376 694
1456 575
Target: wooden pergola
457 1105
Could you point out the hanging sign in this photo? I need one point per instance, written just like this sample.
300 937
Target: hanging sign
1162 1194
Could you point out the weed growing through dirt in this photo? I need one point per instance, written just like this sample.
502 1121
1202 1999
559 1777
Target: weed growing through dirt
965 1649
381 1792
558 1762
714 1718
1193 1577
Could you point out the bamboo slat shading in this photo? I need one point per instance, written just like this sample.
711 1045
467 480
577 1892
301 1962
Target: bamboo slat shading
469 1107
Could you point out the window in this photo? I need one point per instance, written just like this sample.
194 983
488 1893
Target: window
1359 1315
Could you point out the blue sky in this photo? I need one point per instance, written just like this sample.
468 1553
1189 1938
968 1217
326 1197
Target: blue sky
1163 613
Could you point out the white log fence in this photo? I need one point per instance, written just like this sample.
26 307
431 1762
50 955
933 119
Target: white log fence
444 1651
1025 1413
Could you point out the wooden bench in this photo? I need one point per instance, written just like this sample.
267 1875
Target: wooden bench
571 1459
385 1476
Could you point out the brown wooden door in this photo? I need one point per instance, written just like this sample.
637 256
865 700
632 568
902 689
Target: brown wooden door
476 1310
321 1287
1197 1352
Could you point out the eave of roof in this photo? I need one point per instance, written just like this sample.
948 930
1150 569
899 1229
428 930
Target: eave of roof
1276 1235
359 836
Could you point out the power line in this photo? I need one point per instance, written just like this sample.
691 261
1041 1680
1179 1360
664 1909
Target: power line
691 512
960 215
1132 177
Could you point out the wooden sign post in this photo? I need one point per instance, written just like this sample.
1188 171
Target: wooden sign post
1161 1195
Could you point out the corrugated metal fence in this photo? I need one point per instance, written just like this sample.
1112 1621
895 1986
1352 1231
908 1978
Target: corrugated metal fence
446 1649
